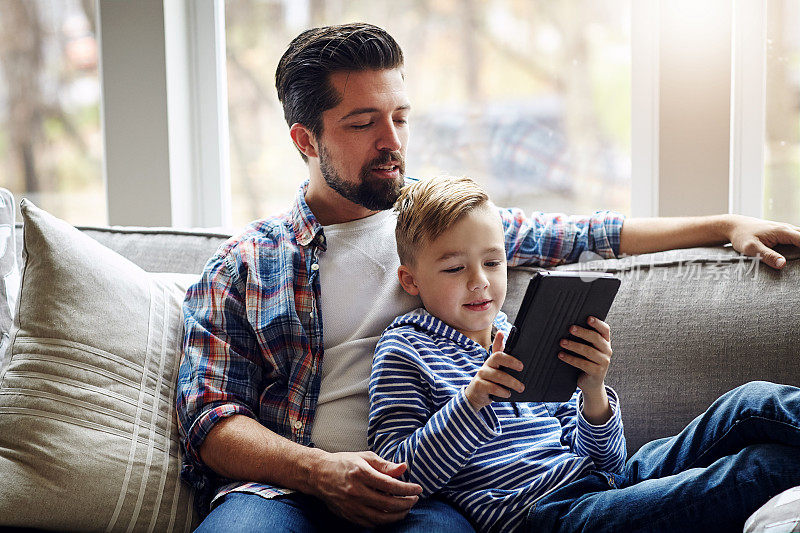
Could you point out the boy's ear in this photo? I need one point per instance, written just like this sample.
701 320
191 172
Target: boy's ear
304 140
407 280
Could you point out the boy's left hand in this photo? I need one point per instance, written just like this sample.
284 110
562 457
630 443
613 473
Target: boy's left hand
597 356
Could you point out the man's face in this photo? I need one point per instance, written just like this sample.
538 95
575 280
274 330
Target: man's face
461 276
363 144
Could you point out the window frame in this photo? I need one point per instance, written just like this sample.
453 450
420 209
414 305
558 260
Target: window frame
645 47
748 108
164 112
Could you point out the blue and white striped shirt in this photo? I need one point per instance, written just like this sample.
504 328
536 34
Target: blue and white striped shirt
492 463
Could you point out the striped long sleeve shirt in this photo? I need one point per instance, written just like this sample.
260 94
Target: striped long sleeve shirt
253 342
493 462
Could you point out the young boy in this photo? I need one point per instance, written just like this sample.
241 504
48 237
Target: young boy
546 466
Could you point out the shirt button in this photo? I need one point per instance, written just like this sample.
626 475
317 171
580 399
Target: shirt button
322 238
315 267
298 424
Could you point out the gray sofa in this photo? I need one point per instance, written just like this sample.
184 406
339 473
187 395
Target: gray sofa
688 325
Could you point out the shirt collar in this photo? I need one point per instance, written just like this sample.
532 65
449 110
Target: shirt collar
303 221
432 324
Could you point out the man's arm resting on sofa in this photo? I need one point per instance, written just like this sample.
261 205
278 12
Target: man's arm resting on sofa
748 235
355 485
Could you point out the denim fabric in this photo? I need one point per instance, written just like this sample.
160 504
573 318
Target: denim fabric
727 463
299 513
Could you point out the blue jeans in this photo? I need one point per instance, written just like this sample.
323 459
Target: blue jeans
727 463
301 513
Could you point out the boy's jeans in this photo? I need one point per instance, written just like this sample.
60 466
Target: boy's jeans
727 462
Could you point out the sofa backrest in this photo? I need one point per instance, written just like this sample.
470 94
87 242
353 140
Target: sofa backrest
154 249
688 325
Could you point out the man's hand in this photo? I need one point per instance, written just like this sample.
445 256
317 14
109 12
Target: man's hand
748 235
596 408
754 236
491 380
363 488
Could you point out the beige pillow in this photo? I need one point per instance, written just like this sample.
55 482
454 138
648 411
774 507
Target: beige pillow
88 437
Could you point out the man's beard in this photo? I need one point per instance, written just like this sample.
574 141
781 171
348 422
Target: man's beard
375 194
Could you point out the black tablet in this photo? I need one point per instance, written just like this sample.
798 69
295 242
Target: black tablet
554 301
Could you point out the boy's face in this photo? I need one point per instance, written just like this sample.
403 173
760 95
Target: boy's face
461 276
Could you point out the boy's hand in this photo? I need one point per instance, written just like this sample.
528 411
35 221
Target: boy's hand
596 408
598 355
491 380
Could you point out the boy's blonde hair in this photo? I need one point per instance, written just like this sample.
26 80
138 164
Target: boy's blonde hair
426 209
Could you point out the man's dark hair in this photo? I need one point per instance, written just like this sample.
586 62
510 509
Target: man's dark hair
303 74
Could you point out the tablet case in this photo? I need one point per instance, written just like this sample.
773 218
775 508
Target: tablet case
553 302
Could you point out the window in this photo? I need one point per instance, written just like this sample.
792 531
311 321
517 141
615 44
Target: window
782 139
530 98
50 141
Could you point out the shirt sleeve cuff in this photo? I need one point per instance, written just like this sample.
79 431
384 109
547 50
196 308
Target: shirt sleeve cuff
600 441
205 422
606 229
483 423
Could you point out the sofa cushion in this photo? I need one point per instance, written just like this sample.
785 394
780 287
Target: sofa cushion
9 275
88 437
689 325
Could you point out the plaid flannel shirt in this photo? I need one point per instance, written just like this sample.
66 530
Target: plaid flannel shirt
253 331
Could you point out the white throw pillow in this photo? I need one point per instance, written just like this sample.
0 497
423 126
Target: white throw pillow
781 514
88 436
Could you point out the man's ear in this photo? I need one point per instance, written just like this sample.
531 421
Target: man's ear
407 280
304 140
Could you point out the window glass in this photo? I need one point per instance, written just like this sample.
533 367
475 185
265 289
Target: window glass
50 139
530 98
782 148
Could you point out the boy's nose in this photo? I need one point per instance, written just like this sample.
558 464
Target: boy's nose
478 282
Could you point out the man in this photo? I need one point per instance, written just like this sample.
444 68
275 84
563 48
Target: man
274 431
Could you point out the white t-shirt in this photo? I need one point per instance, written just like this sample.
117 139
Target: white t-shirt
361 295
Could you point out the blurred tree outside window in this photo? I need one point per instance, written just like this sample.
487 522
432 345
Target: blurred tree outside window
782 143
532 98
50 138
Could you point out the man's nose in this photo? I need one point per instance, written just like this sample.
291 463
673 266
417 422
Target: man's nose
389 138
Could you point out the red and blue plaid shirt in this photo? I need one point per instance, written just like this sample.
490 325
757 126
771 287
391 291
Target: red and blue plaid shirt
253 330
